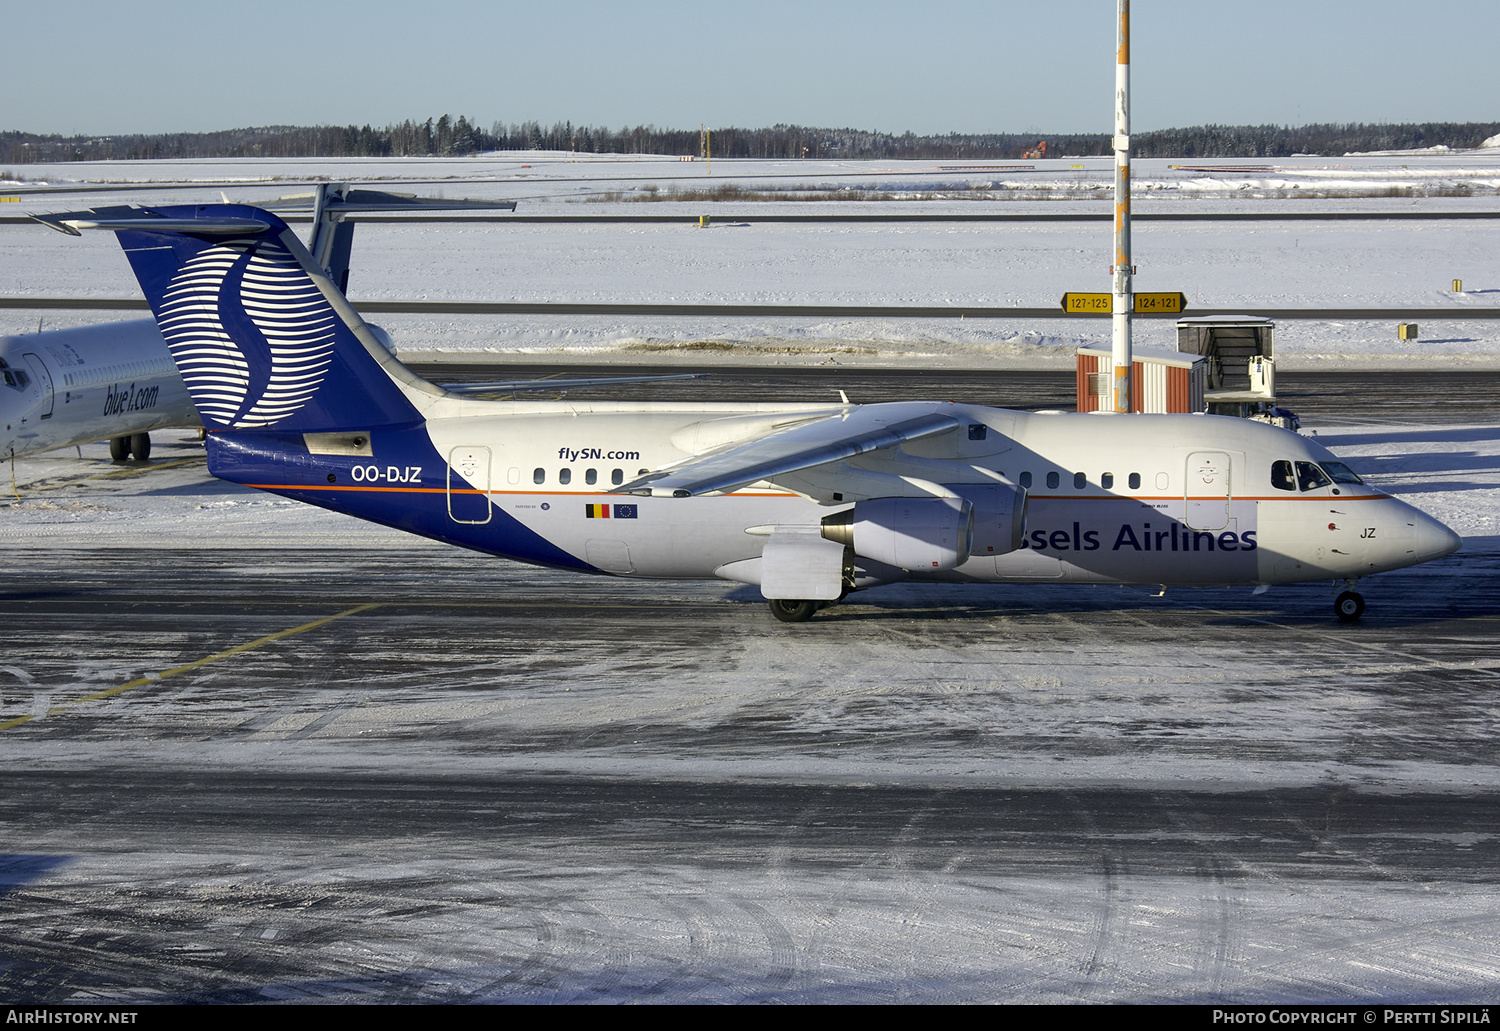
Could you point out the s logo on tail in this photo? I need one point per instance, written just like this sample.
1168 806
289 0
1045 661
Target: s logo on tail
250 332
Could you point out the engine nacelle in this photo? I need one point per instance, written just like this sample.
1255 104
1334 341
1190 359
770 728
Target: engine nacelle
999 516
908 533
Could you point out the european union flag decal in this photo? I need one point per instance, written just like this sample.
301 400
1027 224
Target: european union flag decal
603 511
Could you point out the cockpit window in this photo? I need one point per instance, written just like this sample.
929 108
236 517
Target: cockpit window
1310 476
1281 476
1341 473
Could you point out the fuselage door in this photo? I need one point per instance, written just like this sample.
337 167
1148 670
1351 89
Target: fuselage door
1207 492
44 381
469 485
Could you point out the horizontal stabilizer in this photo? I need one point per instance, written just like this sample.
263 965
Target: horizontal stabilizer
851 432
356 201
125 217
333 232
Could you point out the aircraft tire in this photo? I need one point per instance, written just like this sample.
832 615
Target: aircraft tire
789 610
140 446
119 448
1349 606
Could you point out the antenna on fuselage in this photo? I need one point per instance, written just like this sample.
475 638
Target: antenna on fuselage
1124 290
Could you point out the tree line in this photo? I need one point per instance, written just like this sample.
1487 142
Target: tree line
456 137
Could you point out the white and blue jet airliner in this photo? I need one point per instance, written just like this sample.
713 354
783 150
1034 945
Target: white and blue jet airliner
808 502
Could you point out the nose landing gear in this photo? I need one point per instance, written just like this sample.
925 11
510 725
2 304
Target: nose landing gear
1349 606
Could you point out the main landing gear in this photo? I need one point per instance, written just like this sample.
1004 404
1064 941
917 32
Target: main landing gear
1349 606
137 444
789 610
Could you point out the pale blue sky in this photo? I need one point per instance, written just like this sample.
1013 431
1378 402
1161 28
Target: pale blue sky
74 66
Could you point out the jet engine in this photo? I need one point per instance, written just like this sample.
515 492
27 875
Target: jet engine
985 519
999 516
908 533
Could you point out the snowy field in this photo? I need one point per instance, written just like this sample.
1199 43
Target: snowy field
1218 265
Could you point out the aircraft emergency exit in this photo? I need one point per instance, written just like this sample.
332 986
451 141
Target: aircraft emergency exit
808 502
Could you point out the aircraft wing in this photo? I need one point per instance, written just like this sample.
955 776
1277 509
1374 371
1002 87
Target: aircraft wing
853 431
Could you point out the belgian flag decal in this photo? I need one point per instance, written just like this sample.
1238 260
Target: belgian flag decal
604 511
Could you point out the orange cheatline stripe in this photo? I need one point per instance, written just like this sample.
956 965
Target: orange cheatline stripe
99 696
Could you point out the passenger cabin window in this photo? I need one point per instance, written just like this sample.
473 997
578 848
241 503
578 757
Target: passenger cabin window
1107 481
591 477
1309 477
1080 481
1025 480
1053 480
540 476
565 476
617 477
1135 481
1281 476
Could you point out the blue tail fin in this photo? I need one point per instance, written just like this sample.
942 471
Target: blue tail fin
261 336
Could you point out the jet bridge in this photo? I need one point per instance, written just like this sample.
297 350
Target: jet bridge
1240 357
1239 352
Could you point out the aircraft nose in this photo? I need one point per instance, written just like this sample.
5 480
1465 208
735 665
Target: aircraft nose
1434 540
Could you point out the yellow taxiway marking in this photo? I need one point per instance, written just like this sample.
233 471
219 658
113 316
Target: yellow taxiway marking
156 678
146 468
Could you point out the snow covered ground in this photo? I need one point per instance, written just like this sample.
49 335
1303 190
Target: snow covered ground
509 784
1357 264
557 176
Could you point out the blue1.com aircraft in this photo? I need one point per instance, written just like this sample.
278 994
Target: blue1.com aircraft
808 502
